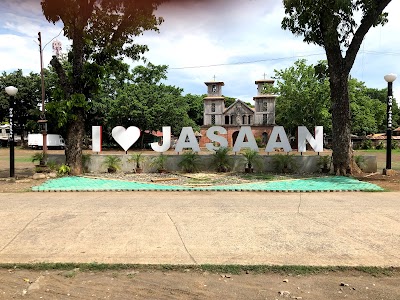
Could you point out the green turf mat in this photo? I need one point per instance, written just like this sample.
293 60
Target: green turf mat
318 184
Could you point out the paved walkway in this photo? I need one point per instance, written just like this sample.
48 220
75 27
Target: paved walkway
201 228
318 184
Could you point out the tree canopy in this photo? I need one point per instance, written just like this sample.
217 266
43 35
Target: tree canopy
334 26
102 34
26 110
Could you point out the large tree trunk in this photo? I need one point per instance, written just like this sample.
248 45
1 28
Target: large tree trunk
76 126
341 122
73 151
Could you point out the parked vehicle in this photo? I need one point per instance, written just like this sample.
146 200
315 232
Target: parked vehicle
5 136
35 141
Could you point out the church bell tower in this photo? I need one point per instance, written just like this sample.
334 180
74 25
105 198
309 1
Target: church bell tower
214 104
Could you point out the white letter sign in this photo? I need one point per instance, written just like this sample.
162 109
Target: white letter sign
166 141
216 138
305 136
245 131
187 139
278 131
96 138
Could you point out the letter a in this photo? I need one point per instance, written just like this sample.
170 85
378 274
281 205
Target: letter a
187 139
244 132
278 131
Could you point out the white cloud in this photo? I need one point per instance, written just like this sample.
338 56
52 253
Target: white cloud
198 34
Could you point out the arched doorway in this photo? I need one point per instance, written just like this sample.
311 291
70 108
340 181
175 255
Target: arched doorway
234 137
264 139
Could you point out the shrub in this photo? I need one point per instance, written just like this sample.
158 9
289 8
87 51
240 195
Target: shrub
85 162
221 160
395 145
189 162
137 158
259 142
159 162
324 163
64 170
360 161
113 163
366 145
380 146
40 157
52 165
284 163
252 158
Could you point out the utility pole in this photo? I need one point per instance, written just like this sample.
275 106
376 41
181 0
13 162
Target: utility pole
42 122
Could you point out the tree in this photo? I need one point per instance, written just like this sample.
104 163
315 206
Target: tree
102 33
332 25
381 96
26 110
367 114
196 108
303 98
146 103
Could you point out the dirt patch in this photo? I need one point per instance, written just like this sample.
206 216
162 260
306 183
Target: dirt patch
189 284
390 183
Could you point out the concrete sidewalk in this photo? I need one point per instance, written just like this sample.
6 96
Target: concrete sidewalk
201 228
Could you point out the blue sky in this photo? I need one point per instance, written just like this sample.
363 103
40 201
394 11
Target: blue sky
242 37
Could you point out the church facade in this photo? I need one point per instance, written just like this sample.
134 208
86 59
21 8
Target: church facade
261 118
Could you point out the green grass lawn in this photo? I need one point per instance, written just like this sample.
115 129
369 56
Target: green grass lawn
381 157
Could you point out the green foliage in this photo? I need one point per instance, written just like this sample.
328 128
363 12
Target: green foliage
85 162
26 112
360 161
40 157
221 160
259 142
334 26
303 98
159 162
52 165
367 114
112 163
380 146
189 162
395 145
283 163
64 170
137 158
252 158
103 34
324 162
366 144
324 22
150 106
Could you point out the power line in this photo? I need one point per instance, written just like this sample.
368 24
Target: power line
53 39
277 59
246 62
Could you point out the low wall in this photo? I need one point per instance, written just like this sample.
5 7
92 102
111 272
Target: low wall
305 163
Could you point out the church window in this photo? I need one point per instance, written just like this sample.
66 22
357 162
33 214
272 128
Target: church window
244 120
249 120
214 88
212 107
213 120
226 120
265 106
265 119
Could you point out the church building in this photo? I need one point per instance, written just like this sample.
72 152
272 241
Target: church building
261 118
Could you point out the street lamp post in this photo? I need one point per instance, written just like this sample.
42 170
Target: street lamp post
389 79
11 91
